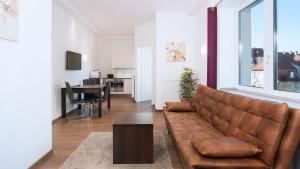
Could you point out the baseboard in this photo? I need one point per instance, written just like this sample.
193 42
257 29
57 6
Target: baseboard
56 120
41 159
157 110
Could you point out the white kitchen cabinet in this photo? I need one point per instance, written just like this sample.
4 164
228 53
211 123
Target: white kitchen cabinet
122 62
114 62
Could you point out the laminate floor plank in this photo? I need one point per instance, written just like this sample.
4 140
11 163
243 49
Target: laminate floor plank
67 135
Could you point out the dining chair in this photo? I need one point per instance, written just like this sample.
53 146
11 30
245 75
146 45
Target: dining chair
86 82
90 96
98 80
107 90
74 101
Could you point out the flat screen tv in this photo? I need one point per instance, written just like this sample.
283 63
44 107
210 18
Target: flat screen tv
73 61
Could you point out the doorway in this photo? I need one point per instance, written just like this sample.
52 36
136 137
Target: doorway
144 74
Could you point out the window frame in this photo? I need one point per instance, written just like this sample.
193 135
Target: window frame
270 52
251 3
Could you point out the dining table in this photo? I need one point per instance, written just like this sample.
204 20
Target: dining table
79 89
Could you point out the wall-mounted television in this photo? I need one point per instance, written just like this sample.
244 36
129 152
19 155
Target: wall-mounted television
73 61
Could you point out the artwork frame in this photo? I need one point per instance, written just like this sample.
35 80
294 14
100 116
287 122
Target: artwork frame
176 52
9 20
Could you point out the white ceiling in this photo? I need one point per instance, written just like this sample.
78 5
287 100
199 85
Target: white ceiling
118 17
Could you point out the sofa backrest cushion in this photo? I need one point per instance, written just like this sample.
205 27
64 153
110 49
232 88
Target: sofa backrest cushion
257 122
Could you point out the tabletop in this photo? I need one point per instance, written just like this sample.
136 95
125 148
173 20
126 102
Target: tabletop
135 119
87 86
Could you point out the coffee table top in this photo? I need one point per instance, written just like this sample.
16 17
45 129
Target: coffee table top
135 119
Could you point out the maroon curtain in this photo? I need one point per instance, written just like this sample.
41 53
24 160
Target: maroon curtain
212 47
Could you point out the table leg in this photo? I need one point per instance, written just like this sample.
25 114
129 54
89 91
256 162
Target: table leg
100 103
79 95
63 103
108 98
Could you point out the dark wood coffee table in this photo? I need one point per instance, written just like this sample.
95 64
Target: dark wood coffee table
133 139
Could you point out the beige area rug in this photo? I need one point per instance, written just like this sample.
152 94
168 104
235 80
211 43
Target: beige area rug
96 153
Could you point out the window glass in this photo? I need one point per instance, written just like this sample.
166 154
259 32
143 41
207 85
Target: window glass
287 56
251 45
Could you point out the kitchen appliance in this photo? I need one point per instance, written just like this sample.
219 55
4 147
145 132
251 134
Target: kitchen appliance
110 76
118 85
95 74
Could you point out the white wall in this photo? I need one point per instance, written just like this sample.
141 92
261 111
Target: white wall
201 44
69 34
228 64
103 51
172 27
145 37
144 74
25 71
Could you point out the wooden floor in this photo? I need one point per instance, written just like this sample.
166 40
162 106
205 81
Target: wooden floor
67 135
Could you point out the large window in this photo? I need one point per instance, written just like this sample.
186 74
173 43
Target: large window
269 47
287 45
251 27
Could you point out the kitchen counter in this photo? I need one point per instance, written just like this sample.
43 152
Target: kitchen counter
121 85
117 78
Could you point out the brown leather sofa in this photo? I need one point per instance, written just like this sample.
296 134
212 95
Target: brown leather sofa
272 127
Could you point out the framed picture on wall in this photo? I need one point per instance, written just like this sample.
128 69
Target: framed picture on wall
9 20
176 52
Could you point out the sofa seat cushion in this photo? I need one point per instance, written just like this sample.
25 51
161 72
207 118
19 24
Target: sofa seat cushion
193 158
228 147
178 116
190 125
179 106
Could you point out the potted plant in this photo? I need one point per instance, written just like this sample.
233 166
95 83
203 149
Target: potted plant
188 84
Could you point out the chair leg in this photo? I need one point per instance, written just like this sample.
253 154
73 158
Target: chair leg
84 108
91 113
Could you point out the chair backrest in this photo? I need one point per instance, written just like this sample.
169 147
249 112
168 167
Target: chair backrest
69 92
97 80
86 82
107 88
